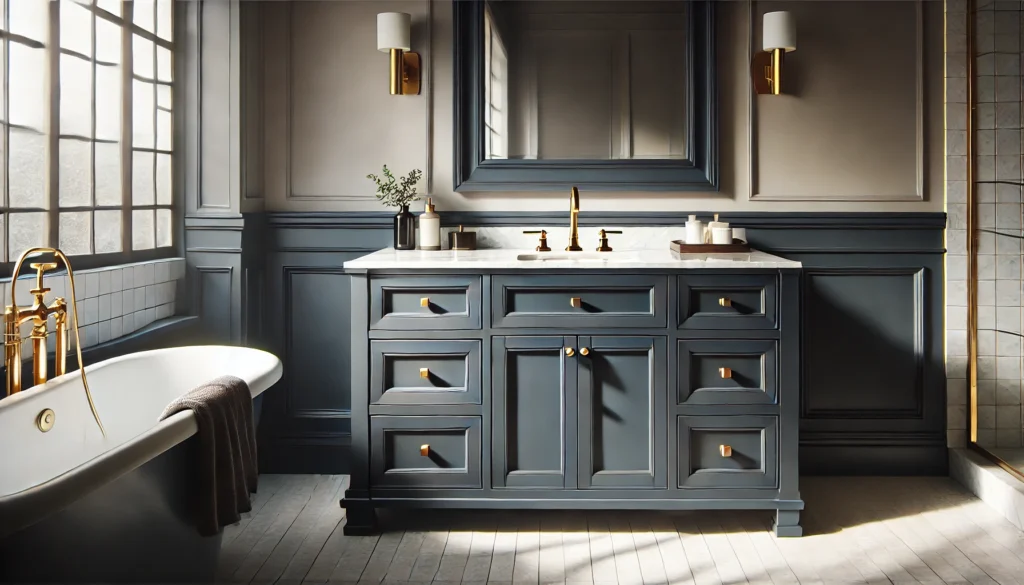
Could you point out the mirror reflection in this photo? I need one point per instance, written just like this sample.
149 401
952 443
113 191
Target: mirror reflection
571 80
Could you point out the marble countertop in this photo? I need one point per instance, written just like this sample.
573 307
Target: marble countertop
391 259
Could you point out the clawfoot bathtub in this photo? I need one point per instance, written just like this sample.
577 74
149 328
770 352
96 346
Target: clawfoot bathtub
77 506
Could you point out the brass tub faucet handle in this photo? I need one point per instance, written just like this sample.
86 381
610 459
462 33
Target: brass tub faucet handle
602 236
542 245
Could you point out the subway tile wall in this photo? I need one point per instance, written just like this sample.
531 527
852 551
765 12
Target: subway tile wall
999 37
112 302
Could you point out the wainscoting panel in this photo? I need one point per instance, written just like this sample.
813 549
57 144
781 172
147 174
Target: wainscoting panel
873 384
214 294
306 418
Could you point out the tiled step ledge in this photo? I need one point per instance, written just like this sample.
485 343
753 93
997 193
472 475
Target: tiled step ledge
993 485
112 301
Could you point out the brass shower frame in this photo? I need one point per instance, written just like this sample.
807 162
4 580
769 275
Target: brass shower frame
972 262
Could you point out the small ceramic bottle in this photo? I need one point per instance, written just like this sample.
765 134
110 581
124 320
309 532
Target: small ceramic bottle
694 231
430 228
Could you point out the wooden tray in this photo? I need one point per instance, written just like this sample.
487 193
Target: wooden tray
684 248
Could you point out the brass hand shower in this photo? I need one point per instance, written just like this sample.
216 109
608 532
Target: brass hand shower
37 314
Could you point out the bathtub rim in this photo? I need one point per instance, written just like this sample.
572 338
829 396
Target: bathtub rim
22 509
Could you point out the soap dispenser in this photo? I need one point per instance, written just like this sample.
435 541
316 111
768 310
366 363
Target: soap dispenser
694 231
430 228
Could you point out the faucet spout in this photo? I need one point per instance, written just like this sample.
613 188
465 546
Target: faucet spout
574 212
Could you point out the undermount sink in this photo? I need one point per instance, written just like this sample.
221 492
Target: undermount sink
580 257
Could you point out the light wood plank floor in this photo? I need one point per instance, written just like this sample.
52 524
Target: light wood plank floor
859 530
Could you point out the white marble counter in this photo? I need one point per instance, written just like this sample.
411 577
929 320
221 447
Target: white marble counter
390 259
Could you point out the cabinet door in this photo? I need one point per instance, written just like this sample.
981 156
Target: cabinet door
533 381
622 412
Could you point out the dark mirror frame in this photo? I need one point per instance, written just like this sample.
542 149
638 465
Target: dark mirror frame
473 172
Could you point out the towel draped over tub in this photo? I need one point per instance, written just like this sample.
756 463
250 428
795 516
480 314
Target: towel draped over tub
227 471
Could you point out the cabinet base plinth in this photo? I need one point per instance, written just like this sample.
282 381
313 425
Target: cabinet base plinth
787 524
360 518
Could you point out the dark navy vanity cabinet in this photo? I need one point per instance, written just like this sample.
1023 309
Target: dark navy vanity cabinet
588 389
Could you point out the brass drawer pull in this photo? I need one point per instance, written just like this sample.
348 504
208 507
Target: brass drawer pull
584 351
424 372
725 450
570 351
575 302
425 450
725 373
425 301
725 302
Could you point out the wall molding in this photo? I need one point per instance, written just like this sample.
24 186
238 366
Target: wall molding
752 138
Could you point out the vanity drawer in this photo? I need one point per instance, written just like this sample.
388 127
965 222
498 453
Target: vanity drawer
425 372
425 451
425 303
635 301
727 371
728 451
728 301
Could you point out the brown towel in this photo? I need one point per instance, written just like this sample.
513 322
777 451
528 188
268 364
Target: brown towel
227 471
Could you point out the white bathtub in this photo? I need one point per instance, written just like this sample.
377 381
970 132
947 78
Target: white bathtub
42 473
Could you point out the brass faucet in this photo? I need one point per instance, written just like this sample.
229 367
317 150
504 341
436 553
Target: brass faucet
37 314
574 212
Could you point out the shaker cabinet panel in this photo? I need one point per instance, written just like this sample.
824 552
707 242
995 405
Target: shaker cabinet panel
425 372
531 387
727 371
622 414
425 451
425 303
728 301
728 451
593 301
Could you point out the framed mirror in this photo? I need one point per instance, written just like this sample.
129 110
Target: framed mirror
616 95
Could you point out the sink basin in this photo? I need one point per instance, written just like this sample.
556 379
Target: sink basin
580 257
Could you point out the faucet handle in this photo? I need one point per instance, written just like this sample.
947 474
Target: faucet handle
542 245
43 266
602 235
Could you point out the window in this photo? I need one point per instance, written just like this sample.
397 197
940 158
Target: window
86 155
496 88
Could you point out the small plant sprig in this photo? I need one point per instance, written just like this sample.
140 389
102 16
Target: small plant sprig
396 193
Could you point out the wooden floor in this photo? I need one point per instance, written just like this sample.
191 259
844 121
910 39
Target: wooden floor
859 530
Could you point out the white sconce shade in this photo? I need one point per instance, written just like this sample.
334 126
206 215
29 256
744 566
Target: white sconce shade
779 31
393 31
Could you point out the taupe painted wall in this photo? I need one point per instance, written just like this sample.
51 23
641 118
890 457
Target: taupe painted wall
862 131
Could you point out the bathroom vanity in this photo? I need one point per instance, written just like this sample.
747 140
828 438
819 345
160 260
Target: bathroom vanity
620 380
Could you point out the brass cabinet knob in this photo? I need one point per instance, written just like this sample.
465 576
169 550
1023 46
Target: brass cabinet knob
725 302
425 302
725 373
584 351
570 351
725 450
425 450
424 372
575 302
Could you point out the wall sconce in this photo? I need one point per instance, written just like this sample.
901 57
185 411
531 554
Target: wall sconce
778 37
393 36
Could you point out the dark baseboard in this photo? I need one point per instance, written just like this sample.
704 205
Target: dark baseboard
874 460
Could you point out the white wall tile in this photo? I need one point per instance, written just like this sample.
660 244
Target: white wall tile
105 282
140 298
115 328
92 284
115 279
115 304
103 307
127 277
89 311
103 331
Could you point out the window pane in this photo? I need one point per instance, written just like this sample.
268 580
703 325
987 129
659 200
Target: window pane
163 96
75 174
75 28
142 229
75 96
164 131
108 41
111 6
142 114
108 103
142 56
108 174
108 231
27 83
3 237
164 180
142 178
144 14
163 228
163 64
26 230
29 18
75 233
27 169
164 19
